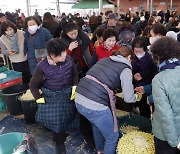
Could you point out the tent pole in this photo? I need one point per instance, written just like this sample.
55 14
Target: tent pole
100 6
171 6
118 7
58 8
27 7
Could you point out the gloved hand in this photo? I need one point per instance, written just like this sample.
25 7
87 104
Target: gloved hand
73 92
139 96
40 101
120 95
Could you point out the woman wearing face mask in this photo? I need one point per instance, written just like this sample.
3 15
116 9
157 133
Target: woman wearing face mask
96 101
157 31
144 69
35 40
12 45
55 109
108 45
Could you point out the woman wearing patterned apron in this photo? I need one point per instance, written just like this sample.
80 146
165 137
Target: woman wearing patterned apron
55 75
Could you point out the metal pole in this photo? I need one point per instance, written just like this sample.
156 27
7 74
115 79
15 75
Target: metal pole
118 7
58 8
147 5
171 6
100 6
27 7
151 6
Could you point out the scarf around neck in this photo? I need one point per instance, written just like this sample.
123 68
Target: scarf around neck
14 42
169 64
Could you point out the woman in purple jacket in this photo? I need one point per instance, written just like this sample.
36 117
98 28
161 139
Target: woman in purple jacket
55 75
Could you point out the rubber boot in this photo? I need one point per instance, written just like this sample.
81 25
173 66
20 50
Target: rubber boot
60 148
60 138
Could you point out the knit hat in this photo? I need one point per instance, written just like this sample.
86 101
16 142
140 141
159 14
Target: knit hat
2 14
112 16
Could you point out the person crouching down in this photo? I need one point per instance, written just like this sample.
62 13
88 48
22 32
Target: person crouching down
55 75
96 101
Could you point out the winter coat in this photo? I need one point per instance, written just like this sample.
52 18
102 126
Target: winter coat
146 68
103 52
166 96
6 47
115 72
81 54
38 41
51 26
53 76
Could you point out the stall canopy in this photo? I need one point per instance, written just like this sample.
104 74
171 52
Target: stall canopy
88 4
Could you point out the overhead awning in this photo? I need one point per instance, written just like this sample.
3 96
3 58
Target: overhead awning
88 4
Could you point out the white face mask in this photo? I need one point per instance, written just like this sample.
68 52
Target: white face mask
140 55
153 39
32 29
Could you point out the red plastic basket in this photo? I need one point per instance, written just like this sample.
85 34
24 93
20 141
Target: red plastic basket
10 83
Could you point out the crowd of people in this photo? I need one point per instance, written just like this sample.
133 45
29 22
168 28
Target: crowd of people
136 53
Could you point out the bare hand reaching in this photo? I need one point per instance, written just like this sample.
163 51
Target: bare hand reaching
137 77
73 45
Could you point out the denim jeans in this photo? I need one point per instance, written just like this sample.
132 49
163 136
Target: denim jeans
103 128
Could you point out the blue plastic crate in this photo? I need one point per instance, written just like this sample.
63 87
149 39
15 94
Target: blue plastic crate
2 103
3 68
11 75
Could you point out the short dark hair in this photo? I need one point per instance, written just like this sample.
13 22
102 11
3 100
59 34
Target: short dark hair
165 48
126 25
56 46
69 27
107 12
99 32
146 31
139 42
159 29
38 22
6 24
109 33
2 15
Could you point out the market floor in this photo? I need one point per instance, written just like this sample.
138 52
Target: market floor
74 143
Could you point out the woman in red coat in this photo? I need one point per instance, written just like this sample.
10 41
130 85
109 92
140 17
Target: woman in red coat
109 44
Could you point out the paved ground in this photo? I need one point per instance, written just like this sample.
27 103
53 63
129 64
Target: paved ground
74 143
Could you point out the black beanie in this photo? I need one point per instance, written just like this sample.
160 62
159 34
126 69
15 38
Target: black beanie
2 14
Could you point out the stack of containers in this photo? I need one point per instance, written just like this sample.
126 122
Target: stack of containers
8 78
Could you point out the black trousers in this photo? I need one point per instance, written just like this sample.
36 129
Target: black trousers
24 68
162 147
144 107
